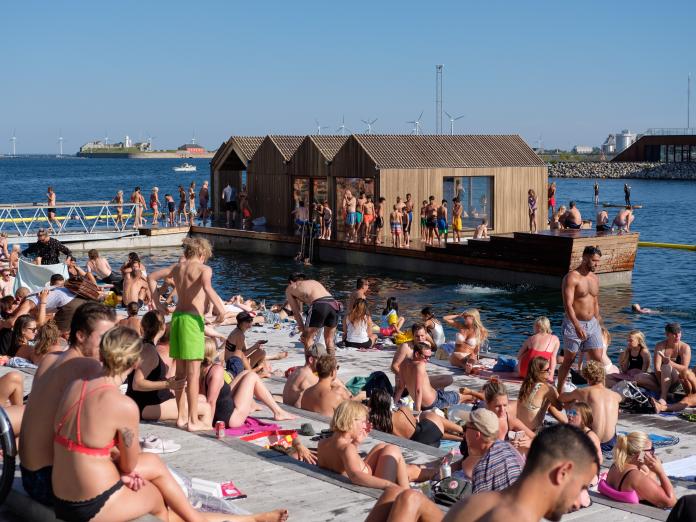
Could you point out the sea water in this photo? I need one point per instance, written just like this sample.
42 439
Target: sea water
662 279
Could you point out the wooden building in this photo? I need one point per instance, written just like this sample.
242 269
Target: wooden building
490 174
230 164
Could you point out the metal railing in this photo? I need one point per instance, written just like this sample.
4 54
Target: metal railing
77 217
671 132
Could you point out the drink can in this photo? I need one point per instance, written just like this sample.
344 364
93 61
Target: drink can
220 430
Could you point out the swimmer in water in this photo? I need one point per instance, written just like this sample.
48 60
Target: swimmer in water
637 309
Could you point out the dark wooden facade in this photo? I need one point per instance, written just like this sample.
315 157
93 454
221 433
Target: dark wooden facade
647 149
228 165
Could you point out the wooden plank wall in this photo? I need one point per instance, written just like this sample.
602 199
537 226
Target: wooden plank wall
308 161
510 186
351 161
268 185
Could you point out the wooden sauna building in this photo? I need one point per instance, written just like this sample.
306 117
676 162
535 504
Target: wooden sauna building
490 174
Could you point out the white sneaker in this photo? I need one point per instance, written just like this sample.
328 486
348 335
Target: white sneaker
153 444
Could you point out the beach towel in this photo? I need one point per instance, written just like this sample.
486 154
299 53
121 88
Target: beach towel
684 469
36 277
251 425
356 384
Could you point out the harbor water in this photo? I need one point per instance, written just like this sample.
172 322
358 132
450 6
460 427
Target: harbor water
663 279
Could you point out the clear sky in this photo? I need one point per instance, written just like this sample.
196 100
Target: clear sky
571 72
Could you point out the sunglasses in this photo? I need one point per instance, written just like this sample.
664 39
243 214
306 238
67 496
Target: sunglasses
650 450
33 328
572 413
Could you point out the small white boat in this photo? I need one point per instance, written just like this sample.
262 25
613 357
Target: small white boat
186 167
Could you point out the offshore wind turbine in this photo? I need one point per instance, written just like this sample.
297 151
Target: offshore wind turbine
342 127
13 140
369 124
320 127
452 120
416 124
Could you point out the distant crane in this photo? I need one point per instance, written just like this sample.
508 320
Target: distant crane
416 124
342 128
13 140
320 127
369 124
452 120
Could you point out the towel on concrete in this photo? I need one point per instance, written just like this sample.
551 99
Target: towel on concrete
251 425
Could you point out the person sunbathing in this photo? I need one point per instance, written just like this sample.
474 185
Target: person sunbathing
232 402
471 334
324 396
428 428
47 341
383 466
537 396
148 384
92 418
239 357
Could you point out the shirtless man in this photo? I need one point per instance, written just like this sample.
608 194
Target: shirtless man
671 359
100 267
192 279
561 463
603 221
51 210
405 351
623 219
302 378
442 223
431 220
603 401
359 215
324 396
322 313
572 218
415 377
132 321
368 219
457 219
408 209
6 282
135 287
379 220
349 204
55 373
481 231
581 323
139 201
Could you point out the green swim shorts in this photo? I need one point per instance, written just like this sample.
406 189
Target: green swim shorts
186 338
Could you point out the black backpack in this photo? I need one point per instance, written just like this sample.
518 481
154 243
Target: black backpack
450 490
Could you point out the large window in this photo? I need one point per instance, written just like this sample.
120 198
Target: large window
475 193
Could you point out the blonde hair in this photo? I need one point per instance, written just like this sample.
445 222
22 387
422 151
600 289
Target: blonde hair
345 414
629 445
642 344
606 336
120 350
210 353
594 372
195 246
481 330
585 412
46 337
543 324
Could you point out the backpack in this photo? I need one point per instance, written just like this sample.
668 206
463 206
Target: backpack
450 490
634 400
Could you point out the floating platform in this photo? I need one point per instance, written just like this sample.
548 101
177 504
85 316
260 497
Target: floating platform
540 259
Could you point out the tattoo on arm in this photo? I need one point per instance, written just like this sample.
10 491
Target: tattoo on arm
127 436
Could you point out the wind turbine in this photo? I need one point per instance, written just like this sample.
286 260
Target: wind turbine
320 127
60 144
342 127
106 138
369 124
452 120
149 141
193 139
13 140
416 124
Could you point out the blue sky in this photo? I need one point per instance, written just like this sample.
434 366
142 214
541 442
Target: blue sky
571 72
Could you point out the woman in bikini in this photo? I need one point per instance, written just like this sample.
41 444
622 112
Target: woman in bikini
467 342
634 360
148 384
638 472
512 429
532 210
47 341
94 417
542 344
231 401
192 201
429 428
381 468
537 396
118 200
239 357
154 205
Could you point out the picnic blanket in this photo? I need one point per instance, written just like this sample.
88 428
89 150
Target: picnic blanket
251 425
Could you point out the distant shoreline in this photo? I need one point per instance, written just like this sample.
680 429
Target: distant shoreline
623 170
144 155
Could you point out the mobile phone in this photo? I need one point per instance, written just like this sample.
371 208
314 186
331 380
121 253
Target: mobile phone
263 341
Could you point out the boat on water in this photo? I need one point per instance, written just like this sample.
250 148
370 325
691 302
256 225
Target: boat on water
186 167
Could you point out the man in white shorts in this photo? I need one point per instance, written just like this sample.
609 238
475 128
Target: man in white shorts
581 323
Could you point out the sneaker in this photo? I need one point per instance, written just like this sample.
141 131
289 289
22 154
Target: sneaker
153 444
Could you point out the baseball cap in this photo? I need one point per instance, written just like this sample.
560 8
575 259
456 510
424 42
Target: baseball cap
486 422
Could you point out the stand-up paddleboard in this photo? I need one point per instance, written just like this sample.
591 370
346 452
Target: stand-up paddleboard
612 205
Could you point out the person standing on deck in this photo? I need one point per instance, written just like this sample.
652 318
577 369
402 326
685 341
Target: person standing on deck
51 210
408 209
229 197
596 193
139 201
442 223
582 320
47 249
203 199
192 202
456 220
182 206
532 204
551 194
379 220
627 194
349 204
322 313
193 283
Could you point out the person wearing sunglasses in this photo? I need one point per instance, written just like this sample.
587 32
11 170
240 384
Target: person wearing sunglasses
637 469
23 333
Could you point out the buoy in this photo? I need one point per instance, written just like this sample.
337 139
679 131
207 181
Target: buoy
676 246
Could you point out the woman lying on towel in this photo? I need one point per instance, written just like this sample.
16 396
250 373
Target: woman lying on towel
382 467
428 429
93 418
232 400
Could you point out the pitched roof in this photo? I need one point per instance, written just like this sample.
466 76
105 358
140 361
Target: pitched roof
328 145
287 145
444 151
248 145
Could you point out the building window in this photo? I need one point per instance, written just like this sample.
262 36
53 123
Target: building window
677 153
663 153
670 153
475 193
693 153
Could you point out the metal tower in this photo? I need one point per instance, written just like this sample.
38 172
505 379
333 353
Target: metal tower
438 98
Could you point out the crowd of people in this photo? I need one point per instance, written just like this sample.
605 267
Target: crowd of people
184 371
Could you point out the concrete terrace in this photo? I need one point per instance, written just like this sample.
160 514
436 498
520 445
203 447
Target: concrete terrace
272 480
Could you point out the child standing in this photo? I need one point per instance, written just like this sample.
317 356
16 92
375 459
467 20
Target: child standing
171 208
395 223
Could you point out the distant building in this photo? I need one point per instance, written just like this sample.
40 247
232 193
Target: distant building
663 146
191 149
582 149
609 145
624 139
